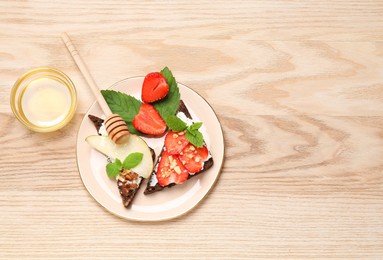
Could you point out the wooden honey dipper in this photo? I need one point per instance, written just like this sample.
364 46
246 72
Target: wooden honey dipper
115 126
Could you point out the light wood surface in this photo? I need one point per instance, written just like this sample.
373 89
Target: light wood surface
297 86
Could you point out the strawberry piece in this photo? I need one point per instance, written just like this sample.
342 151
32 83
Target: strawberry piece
149 121
170 170
154 87
193 158
175 142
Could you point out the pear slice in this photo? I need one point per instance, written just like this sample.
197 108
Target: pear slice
106 146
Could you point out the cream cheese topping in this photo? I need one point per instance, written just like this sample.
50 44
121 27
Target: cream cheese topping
183 117
102 131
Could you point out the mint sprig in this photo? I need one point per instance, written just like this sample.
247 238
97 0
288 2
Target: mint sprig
194 136
124 105
168 105
131 161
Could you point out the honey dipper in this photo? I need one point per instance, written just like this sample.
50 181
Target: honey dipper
115 126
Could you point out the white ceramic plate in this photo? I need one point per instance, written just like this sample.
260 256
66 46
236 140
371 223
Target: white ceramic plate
170 202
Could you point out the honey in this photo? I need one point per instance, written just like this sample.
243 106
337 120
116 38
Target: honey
44 99
45 102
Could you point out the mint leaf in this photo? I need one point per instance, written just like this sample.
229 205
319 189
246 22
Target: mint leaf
124 105
168 105
174 123
118 162
120 103
195 137
132 160
113 169
195 126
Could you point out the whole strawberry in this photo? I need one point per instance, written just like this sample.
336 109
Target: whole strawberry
154 87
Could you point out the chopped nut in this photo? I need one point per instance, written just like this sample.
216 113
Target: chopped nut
124 191
175 135
179 142
121 178
134 175
165 174
181 133
177 169
174 164
125 172
190 156
197 159
192 148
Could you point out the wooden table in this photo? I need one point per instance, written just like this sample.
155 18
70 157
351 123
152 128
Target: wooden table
297 86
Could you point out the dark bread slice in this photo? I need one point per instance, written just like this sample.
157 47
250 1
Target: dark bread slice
96 121
153 185
128 182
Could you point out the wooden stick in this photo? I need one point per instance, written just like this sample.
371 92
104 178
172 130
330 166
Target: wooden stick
85 72
115 125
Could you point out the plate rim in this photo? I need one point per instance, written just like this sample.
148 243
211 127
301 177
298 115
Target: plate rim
135 219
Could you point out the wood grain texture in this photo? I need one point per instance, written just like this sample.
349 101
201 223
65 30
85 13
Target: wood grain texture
297 86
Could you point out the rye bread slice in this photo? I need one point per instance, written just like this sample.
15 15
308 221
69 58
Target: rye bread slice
153 185
97 122
128 182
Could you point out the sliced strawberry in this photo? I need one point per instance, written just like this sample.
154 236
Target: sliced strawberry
149 121
175 142
170 170
154 87
193 158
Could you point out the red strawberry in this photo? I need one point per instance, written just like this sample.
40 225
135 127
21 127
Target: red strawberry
170 170
154 87
175 142
193 158
149 121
